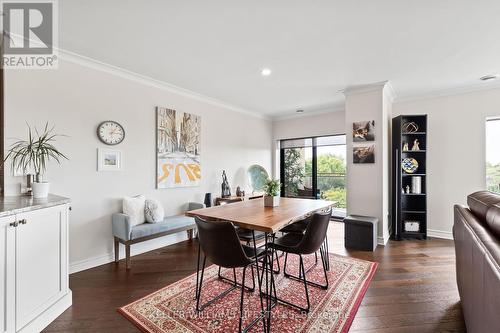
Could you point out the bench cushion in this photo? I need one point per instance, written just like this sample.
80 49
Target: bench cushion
169 223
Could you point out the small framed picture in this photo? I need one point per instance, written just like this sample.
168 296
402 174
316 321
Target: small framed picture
362 155
363 131
109 160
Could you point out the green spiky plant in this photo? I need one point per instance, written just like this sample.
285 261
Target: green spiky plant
272 187
35 152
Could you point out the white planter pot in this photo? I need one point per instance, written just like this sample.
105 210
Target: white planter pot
40 190
271 201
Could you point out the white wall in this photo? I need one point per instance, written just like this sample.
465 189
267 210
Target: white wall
456 150
310 125
76 99
367 185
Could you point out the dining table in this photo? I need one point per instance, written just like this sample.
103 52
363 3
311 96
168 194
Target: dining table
255 216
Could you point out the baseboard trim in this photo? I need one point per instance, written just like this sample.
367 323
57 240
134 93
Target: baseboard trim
439 234
81 265
382 240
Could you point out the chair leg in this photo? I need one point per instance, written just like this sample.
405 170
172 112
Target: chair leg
198 294
302 275
117 249
190 234
327 256
127 256
314 284
234 282
216 298
197 271
305 283
307 271
241 300
324 258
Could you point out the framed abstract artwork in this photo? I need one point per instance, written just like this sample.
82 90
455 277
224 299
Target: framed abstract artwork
178 137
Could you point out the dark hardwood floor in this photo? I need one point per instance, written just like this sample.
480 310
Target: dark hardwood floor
414 289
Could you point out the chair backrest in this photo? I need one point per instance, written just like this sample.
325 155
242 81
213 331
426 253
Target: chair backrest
315 233
221 244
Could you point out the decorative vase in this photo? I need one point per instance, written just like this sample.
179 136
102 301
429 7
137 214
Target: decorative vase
270 201
416 184
40 189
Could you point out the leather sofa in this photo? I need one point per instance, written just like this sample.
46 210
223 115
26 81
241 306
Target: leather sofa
476 231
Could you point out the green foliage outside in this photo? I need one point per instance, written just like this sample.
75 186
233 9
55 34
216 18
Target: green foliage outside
336 194
493 177
294 171
331 178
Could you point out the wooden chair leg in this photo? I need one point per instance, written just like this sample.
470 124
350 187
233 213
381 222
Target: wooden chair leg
117 250
127 256
190 234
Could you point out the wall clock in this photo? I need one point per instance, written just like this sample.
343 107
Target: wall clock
110 132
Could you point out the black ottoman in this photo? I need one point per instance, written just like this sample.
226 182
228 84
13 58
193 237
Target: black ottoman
360 232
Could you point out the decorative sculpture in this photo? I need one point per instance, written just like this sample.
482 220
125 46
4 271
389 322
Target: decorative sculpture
226 190
405 146
415 145
407 189
410 127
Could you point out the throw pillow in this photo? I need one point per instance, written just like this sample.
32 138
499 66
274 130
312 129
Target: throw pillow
153 211
134 208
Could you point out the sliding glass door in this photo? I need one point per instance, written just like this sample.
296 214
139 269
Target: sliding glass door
315 168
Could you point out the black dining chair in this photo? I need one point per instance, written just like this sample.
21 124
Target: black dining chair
221 245
248 236
300 227
300 244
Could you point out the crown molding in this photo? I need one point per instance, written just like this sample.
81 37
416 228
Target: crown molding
389 91
448 92
363 88
314 112
149 81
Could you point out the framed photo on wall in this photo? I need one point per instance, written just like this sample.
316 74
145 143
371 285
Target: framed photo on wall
363 154
109 159
363 131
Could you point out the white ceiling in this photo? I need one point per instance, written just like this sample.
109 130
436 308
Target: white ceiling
314 48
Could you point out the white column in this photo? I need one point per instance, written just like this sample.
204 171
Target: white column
368 184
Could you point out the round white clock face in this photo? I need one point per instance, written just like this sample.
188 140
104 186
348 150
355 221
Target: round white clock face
110 132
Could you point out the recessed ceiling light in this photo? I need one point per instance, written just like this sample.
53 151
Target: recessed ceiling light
489 77
266 72
300 111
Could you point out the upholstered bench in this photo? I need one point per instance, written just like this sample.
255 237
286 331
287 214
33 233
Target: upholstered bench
126 234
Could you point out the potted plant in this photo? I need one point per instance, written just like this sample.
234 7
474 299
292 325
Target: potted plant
34 154
271 195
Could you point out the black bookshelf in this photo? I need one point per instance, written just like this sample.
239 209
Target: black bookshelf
409 182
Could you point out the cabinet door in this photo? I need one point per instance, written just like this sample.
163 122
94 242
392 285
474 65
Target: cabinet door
41 261
7 274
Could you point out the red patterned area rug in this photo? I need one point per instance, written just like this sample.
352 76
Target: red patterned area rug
172 309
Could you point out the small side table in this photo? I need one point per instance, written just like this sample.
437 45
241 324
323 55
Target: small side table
360 232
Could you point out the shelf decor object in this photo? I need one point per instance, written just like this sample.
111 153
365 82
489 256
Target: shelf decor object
409 165
409 177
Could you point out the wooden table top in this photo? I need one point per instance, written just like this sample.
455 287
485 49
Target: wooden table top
252 214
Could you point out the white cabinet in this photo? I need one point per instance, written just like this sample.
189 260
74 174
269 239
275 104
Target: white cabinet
34 268
7 276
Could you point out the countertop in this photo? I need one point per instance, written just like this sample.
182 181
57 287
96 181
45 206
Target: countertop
20 204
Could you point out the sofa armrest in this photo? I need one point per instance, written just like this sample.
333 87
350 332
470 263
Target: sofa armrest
121 226
195 205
